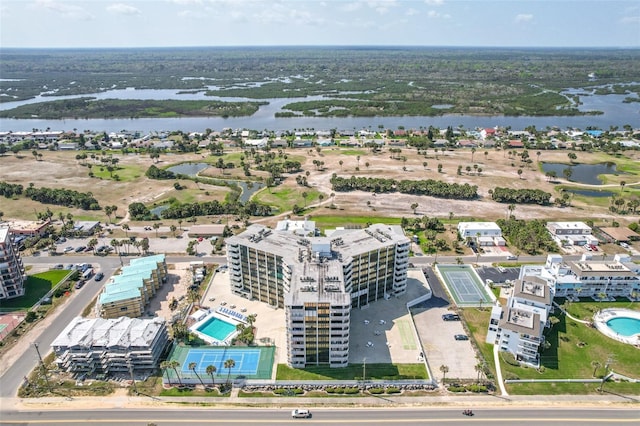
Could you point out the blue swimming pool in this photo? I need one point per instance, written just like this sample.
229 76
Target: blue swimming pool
217 329
625 326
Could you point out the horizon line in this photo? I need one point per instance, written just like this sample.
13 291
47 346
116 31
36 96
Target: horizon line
247 46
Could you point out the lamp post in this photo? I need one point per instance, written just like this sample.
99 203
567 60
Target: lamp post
364 370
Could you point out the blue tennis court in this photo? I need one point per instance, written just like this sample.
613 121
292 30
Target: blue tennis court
246 360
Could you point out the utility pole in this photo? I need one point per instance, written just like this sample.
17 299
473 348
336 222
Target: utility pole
42 366
133 379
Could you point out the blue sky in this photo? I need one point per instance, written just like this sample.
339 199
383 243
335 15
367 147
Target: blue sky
156 23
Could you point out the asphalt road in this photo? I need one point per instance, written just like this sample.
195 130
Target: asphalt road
330 416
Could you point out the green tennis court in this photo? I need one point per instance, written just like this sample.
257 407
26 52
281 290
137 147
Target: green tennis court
463 285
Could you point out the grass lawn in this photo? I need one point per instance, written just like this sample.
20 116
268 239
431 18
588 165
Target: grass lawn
127 173
327 222
574 346
354 372
283 198
35 288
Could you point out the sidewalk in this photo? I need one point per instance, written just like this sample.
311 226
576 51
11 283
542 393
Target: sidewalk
125 401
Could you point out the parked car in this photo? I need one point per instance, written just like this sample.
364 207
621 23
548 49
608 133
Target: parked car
461 337
80 249
593 247
79 284
512 257
451 317
68 249
624 245
300 413
59 266
99 276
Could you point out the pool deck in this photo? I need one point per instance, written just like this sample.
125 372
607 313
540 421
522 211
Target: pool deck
600 321
195 328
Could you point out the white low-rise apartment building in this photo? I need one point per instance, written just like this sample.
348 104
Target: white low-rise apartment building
483 233
318 280
110 346
571 233
518 327
589 277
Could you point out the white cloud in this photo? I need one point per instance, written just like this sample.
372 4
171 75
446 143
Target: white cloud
432 14
185 2
434 2
630 20
123 9
382 7
67 10
351 7
524 17
411 12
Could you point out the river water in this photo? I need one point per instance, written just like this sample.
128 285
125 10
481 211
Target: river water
615 113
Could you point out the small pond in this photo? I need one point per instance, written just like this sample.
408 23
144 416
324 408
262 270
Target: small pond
590 192
159 209
192 169
582 173
189 169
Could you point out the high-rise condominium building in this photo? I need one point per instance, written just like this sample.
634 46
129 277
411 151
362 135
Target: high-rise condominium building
317 280
12 276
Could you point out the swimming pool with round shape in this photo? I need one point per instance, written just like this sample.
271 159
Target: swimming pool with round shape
217 328
625 326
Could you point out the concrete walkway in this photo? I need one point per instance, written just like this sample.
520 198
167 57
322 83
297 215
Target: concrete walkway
496 360
437 399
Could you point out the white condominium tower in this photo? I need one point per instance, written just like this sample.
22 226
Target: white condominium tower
12 276
317 281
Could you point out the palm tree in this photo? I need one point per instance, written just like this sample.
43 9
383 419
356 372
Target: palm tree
164 365
192 367
479 367
444 370
174 365
156 226
126 229
211 369
414 206
229 364
595 365
173 230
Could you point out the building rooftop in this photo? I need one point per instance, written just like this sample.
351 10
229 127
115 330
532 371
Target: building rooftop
599 268
121 332
532 288
522 322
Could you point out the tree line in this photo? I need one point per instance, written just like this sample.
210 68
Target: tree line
520 196
139 211
428 187
57 196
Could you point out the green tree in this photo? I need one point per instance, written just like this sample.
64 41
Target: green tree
211 369
174 365
192 367
444 370
229 364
